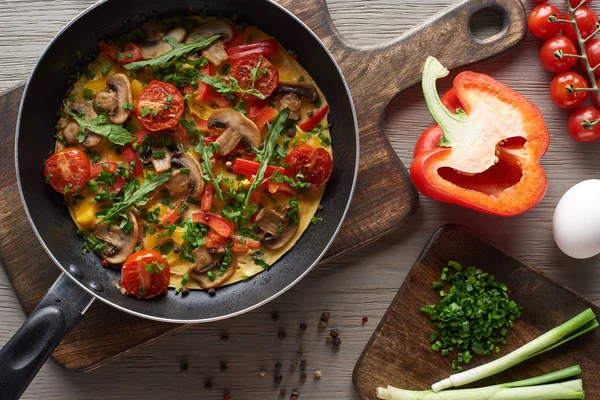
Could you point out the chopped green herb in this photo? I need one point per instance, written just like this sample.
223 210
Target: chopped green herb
144 111
105 69
128 106
258 258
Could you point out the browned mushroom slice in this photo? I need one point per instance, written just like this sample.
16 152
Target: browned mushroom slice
161 159
155 30
153 49
235 128
276 229
215 53
71 130
117 93
191 182
206 266
293 102
301 89
118 244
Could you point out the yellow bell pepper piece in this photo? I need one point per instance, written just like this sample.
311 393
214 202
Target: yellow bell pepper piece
136 89
202 109
177 236
96 86
85 213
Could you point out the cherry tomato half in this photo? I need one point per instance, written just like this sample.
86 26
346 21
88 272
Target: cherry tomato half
562 90
145 274
538 22
315 164
586 21
267 80
68 170
582 133
549 55
160 106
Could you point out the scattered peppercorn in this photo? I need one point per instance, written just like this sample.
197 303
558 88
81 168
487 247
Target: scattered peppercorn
294 397
278 366
229 158
208 385
303 364
325 316
365 320
334 333
281 335
303 327
105 263
282 391
303 375
320 207
224 367
337 341
300 349
318 374
275 317
295 392
226 396
212 292
224 338
183 367
293 365
277 379
329 339
176 249
263 372
185 291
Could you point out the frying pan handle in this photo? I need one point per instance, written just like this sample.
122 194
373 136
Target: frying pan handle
25 353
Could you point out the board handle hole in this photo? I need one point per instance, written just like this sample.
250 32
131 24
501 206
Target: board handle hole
488 24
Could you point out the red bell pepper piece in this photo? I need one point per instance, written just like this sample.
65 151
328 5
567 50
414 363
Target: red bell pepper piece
173 215
268 114
110 167
130 155
266 48
219 224
310 123
243 245
280 187
130 54
250 168
214 240
256 108
207 197
488 158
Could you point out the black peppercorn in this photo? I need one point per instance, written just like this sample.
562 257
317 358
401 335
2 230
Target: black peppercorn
282 391
303 364
185 291
278 366
224 338
275 317
212 292
224 367
281 335
208 385
320 207
303 327
291 133
176 249
325 316
337 341
277 379
183 367
303 375
229 158
334 333
212 251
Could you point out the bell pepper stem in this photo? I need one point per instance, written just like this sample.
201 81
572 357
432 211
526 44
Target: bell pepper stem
448 121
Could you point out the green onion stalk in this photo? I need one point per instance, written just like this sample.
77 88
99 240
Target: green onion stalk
539 388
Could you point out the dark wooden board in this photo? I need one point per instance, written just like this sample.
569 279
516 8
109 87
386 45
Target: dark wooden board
384 197
399 352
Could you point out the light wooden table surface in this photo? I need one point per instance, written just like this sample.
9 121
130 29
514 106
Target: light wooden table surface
358 285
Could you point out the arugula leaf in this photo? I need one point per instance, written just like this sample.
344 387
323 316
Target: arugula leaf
233 86
101 126
206 151
133 196
169 58
264 155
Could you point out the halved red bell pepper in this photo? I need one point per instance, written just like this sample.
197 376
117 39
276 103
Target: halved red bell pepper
310 123
130 54
267 48
488 158
219 224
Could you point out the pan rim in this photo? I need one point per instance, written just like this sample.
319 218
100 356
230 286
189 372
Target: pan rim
99 296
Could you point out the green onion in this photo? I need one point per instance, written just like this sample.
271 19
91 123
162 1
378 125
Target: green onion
577 326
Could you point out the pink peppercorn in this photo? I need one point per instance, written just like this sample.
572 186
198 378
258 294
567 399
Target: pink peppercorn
365 320
226 396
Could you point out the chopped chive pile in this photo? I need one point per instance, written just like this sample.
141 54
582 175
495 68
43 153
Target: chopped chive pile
472 316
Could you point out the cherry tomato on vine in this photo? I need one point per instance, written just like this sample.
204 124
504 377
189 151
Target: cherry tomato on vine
538 22
593 96
580 124
554 54
586 21
540 1
563 90
592 49
575 3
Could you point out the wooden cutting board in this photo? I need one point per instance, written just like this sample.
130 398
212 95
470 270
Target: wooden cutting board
399 352
384 197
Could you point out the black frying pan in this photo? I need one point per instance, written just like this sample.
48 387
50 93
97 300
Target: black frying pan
84 279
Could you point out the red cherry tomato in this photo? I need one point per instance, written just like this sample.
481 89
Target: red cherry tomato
561 90
586 21
575 3
578 121
315 164
538 22
549 54
268 76
130 53
145 274
540 1
592 49
593 96
160 106
68 170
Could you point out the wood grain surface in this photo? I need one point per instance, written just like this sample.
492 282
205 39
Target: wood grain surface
369 278
399 352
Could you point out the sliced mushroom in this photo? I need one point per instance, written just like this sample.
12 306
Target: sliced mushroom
119 245
236 128
215 53
293 102
276 229
161 164
117 93
71 130
301 89
155 30
181 183
155 48
206 261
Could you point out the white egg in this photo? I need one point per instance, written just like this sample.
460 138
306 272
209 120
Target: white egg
576 224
